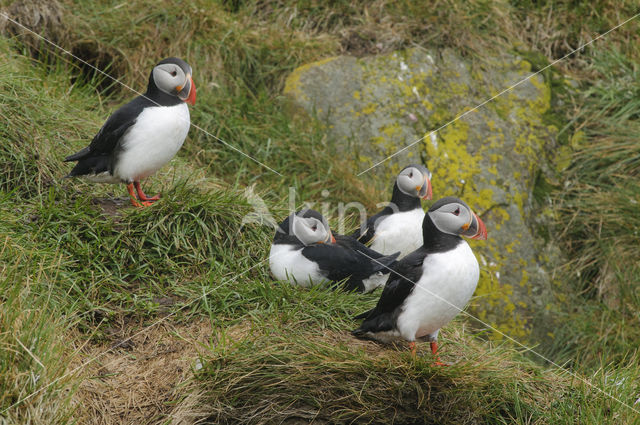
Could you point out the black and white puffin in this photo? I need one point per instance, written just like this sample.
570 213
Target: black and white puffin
305 252
397 226
143 135
430 286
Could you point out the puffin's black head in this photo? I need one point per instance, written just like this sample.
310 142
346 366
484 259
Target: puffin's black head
172 76
415 180
453 216
306 227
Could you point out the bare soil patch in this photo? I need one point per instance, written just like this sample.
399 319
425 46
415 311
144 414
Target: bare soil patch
139 380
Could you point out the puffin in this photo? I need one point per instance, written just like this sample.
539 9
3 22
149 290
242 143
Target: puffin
430 286
397 226
306 252
143 135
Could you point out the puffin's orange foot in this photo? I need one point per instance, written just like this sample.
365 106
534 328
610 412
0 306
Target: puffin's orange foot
412 347
141 204
134 200
142 195
434 351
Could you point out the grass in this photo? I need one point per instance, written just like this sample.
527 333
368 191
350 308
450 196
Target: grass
598 213
82 273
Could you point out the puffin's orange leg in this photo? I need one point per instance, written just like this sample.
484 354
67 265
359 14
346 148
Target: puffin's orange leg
434 351
134 200
412 347
142 195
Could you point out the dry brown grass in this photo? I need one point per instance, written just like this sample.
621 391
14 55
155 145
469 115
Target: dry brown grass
139 381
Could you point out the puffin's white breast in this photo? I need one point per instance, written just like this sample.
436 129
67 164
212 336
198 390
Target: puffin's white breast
447 283
152 141
288 263
401 231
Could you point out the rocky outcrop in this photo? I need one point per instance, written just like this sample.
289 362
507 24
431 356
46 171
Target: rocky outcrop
490 156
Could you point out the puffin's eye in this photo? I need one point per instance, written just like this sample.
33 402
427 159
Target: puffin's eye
456 212
315 227
411 175
174 73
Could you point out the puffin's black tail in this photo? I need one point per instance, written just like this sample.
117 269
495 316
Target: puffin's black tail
363 315
358 333
78 155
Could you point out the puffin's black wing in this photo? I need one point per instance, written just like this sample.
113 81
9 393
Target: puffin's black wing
358 246
96 157
397 289
370 228
345 259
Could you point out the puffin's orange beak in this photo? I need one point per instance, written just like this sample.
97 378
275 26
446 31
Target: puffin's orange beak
187 93
482 230
429 194
474 229
191 100
425 191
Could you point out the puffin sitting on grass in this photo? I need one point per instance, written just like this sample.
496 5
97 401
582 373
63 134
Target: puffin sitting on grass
397 226
430 286
143 135
305 252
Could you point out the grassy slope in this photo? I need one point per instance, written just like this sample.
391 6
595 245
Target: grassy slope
273 350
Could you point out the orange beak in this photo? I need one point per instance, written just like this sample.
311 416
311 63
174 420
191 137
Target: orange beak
475 229
429 193
482 229
425 191
187 93
191 100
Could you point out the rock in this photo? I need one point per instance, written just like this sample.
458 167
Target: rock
490 157
43 18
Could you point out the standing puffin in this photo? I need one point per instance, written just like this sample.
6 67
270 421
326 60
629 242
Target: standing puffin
428 287
397 226
143 135
305 252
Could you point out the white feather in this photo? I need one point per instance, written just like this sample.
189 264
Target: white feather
375 281
288 263
104 177
401 231
447 283
152 141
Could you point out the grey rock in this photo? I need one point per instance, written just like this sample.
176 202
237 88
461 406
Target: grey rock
489 156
